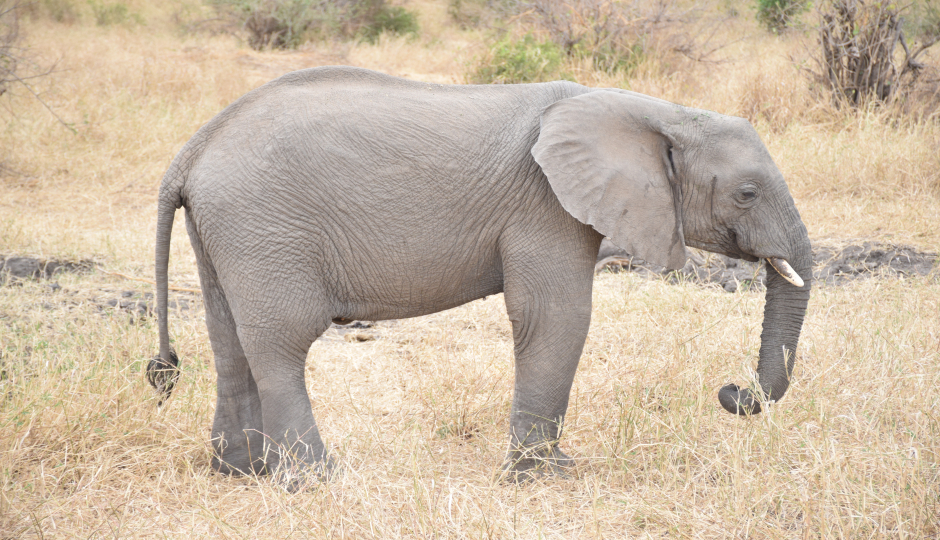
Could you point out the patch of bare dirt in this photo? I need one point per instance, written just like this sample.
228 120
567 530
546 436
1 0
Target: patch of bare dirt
137 305
832 265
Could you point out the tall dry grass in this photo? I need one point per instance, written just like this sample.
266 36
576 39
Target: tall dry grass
418 416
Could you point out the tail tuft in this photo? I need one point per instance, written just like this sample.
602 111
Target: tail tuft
162 374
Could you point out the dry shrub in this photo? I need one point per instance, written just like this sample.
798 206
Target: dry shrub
10 48
286 24
778 15
480 13
772 100
614 37
618 34
525 60
858 61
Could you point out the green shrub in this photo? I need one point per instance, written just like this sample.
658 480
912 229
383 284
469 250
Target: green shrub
624 58
616 35
520 61
473 13
923 21
778 15
63 11
286 24
278 24
108 14
389 19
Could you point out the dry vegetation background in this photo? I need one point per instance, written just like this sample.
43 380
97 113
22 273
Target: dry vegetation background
418 415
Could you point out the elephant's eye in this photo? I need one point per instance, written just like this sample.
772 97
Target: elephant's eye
746 194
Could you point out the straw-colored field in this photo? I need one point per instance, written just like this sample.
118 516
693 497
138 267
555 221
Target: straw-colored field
417 417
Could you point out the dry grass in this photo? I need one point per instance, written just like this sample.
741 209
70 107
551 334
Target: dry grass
418 416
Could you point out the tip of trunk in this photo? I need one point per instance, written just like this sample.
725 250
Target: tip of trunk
739 401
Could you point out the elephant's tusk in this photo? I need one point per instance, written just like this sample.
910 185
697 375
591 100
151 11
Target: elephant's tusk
784 269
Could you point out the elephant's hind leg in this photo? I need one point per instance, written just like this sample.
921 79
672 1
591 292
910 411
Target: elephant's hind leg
276 339
237 440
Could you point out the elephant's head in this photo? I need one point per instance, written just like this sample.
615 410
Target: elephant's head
655 177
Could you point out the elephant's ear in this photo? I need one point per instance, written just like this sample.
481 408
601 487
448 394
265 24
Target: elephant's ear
608 161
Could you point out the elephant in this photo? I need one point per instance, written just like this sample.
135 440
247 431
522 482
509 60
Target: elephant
465 191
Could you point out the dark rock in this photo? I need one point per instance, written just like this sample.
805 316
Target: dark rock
18 268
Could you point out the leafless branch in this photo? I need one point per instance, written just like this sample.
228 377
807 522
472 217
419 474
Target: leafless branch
15 65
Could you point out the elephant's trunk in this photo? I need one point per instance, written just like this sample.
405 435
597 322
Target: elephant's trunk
783 320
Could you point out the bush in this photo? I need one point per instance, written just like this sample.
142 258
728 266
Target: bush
9 44
616 36
858 63
286 24
520 61
107 14
63 11
388 19
601 30
923 21
279 24
474 13
778 15
619 35
17 68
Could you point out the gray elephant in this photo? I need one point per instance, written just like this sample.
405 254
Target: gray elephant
464 192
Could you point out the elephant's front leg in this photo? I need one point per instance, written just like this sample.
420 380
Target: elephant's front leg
550 324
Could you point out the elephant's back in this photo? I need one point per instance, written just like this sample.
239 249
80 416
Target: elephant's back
336 130
372 183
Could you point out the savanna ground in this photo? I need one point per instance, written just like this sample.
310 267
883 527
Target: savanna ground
416 410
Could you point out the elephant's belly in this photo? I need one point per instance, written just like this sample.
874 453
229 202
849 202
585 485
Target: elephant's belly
398 295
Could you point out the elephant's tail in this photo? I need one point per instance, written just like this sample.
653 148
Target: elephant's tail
163 369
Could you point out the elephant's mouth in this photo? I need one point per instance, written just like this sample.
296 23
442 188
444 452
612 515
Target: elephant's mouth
727 246
778 262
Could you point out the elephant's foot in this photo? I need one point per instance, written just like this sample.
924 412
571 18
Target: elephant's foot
526 465
239 467
301 465
238 456
297 476
295 470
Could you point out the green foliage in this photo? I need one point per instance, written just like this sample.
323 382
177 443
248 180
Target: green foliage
10 45
778 15
279 24
286 24
63 11
391 20
615 35
521 61
473 13
623 59
108 14
923 20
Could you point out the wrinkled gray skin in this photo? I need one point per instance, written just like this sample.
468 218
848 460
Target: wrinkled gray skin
335 194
